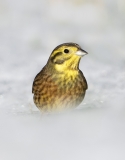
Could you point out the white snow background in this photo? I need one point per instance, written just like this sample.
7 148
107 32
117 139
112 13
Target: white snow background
29 31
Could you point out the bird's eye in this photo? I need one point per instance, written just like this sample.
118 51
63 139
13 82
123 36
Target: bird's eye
66 51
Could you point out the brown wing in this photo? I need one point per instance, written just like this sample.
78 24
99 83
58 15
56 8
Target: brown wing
38 80
44 89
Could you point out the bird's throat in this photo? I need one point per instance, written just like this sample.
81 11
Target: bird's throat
70 65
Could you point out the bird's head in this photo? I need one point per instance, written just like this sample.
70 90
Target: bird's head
66 57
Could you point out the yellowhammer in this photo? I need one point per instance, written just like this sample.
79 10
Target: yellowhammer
60 84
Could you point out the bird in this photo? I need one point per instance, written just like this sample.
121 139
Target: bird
60 84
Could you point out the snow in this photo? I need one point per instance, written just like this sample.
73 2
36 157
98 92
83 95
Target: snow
29 31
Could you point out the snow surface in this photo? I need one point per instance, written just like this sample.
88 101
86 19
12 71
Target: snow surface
29 31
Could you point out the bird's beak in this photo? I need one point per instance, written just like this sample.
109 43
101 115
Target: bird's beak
81 52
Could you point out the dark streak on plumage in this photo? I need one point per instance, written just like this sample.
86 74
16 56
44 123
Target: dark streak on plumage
67 44
55 56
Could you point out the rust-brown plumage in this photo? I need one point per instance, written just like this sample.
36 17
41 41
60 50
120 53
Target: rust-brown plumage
60 84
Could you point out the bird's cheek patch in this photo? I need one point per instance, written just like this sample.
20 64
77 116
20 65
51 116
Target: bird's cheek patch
57 58
58 61
61 59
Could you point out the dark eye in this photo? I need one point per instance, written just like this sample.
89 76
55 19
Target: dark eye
66 51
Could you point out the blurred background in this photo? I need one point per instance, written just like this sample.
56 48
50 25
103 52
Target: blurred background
29 31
